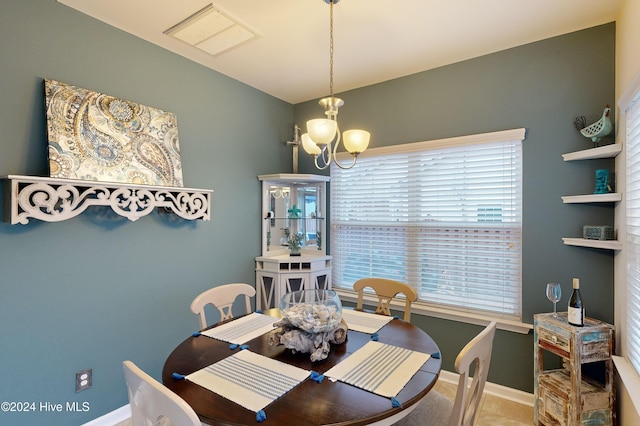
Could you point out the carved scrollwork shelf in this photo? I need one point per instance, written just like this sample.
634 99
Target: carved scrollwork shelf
55 200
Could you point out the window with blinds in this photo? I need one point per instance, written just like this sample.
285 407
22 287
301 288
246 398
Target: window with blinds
633 232
443 216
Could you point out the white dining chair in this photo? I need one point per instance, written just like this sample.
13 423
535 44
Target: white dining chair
437 410
154 404
222 297
386 290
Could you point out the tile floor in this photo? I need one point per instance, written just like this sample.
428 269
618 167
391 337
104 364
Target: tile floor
494 411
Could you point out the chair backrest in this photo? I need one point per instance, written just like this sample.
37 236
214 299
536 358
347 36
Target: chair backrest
152 403
222 297
477 353
386 290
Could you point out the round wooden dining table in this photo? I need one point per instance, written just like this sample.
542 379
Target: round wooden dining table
310 402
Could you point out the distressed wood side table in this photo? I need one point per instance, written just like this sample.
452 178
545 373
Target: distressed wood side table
566 396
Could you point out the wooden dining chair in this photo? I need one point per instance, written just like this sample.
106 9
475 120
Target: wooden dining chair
152 403
386 290
437 410
222 297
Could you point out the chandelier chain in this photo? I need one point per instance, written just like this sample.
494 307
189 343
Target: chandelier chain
324 135
331 49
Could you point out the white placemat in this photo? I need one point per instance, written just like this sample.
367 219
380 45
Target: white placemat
243 329
249 379
379 368
364 321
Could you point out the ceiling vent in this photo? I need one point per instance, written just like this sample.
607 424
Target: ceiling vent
212 31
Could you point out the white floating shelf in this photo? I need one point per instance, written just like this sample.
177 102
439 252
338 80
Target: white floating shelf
592 198
607 151
55 200
602 244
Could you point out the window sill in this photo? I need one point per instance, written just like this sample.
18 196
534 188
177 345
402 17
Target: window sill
630 379
422 308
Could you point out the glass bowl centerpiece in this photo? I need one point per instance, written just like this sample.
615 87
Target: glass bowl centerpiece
314 311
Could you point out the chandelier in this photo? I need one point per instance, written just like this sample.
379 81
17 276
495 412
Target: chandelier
323 134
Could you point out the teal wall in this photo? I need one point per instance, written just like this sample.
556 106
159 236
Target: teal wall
92 291
542 87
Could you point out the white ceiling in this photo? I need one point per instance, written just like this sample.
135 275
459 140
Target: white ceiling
375 40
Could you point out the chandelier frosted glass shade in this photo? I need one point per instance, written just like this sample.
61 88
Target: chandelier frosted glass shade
322 130
356 141
309 146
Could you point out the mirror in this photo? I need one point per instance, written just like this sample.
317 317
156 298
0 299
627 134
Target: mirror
295 210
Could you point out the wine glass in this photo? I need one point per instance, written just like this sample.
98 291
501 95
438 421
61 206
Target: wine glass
554 293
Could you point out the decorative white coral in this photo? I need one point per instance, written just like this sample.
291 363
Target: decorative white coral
317 344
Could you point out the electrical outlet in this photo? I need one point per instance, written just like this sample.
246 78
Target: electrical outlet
83 380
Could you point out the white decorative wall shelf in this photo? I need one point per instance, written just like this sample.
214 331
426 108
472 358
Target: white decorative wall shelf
606 151
592 198
55 200
602 244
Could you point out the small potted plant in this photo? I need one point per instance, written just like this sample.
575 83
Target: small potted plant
295 243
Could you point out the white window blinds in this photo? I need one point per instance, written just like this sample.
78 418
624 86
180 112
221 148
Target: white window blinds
443 216
633 232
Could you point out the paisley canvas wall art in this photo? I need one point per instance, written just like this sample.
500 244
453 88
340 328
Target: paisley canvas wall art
97 137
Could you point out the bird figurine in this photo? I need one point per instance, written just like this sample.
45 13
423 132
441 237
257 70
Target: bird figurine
599 129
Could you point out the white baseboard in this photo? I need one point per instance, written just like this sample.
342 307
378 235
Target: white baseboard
113 418
124 413
494 389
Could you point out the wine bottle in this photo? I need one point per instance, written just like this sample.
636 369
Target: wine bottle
575 314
